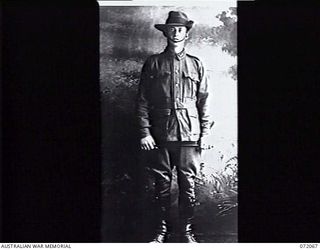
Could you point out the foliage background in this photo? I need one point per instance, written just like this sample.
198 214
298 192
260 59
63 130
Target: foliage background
127 38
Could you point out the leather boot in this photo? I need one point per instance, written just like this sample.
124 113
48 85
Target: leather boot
163 204
161 233
186 217
186 235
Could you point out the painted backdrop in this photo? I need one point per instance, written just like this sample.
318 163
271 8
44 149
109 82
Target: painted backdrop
127 38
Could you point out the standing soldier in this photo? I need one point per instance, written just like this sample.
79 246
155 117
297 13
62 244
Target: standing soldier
174 122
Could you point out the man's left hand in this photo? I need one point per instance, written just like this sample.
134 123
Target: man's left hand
205 143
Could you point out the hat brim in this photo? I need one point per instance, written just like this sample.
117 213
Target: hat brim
162 27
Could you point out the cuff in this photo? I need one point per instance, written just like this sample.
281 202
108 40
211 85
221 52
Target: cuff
144 132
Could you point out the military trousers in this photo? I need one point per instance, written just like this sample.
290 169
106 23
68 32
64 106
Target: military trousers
186 159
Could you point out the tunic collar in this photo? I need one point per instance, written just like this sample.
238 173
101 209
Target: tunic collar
179 56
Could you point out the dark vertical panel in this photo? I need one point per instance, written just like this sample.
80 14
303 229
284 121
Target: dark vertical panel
51 122
278 114
0 122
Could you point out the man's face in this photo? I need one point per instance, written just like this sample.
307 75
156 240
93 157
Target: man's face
176 33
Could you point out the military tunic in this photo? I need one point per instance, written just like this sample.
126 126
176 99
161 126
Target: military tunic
173 98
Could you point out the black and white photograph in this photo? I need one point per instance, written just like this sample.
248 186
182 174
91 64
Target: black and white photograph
159 122
168 84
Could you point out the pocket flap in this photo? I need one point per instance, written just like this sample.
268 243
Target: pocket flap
161 112
163 74
192 75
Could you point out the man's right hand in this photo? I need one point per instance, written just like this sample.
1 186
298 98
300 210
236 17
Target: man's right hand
148 143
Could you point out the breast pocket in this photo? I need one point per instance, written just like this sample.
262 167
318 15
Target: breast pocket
190 83
161 84
162 76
